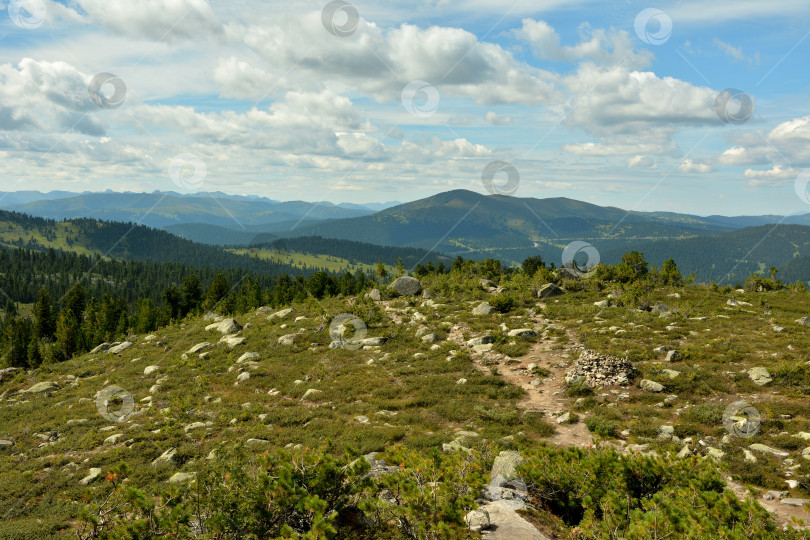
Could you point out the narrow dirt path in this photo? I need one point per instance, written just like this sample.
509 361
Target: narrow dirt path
546 395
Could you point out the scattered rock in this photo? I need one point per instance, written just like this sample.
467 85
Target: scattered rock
373 341
92 474
759 375
167 457
121 347
42 387
430 338
312 392
180 477
564 418
549 290
8 373
732 302
199 347
248 356
505 466
651 386
232 342
673 356
287 339
101 347
6 444
671 373
477 520
778 329
242 377
280 314
602 303
148 370
521 332
484 308
804 321
226 326
748 456
196 425
406 286
715 453
765 449
794 502
361 419
113 439
482 340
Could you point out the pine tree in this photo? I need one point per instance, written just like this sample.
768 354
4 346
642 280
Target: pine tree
67 334
217 291
43 316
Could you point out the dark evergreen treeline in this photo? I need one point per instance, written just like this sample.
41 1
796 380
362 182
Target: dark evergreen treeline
131 241
353 251
81 301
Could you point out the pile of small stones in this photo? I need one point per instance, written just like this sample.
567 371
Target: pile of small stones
600 370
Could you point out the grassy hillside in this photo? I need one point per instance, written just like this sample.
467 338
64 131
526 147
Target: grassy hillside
412 393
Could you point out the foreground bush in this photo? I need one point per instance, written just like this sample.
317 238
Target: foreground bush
601 493
590 493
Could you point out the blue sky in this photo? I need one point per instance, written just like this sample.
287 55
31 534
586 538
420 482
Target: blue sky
265 98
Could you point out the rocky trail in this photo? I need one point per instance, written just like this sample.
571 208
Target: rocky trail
541 374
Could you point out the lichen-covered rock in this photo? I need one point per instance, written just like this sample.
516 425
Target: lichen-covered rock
484 308
549 290
651 386
406 286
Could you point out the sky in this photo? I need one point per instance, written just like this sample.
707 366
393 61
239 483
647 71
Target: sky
689 106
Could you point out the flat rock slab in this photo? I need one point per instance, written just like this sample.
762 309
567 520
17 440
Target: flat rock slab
506 524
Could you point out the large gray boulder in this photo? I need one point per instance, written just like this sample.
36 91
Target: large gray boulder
8 373
42 387
759 375
505 465
651 386
121 347
549 290
406 286
226 326
484 308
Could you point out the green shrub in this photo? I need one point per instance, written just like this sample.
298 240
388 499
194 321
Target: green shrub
602 425
578 388
503 303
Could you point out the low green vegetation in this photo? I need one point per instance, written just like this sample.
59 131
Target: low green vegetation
272 444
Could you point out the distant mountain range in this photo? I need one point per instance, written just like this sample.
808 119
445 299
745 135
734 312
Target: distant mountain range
465 223
165 209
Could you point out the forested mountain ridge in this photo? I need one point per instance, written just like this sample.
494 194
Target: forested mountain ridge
161 209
